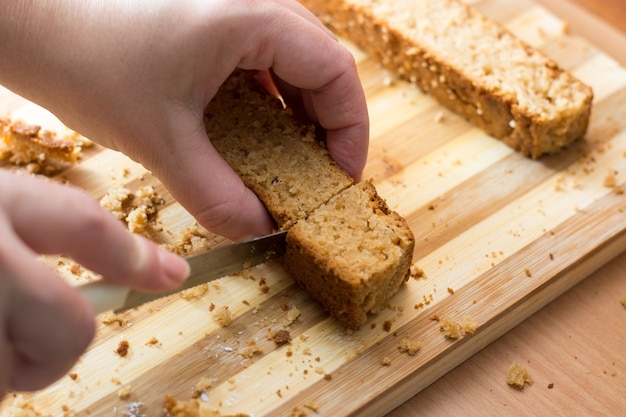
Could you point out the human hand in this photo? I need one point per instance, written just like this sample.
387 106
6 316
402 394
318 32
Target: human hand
136 77
45 325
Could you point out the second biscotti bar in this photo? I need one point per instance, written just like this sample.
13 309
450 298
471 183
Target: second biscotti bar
471 65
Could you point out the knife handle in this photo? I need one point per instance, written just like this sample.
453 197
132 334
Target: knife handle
104 296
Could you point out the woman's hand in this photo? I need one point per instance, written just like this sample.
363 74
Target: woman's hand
136 77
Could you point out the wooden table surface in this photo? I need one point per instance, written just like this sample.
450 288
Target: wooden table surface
575 347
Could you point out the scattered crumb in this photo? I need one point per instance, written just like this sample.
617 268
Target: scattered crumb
195 292
528 273
153 342
292 315
192 408
280 337
453 329
450 328
439 117
387 325
192 240
550 385
468 324
250 349
305 410
409 346
385 361
222 316
450 291
610 180
138 210
124 392
20 407
623 302
518 376
417 272
73 376
110 318
122 348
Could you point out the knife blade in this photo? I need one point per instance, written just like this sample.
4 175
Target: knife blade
205 267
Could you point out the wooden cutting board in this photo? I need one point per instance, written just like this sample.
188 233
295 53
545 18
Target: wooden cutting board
498 236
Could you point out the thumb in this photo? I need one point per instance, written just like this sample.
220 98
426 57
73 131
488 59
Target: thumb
202 181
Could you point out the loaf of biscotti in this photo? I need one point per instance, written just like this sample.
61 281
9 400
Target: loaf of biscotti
471 65
344 246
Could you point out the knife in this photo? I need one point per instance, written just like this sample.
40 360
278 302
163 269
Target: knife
205 267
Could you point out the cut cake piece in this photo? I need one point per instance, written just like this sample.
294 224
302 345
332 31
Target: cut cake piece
351 255
471 65
277 157
344 246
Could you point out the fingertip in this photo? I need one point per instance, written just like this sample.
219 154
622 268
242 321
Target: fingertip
176 269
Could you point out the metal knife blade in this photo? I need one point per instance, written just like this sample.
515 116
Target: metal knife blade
207 266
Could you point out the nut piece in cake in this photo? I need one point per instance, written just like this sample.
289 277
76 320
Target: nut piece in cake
351 254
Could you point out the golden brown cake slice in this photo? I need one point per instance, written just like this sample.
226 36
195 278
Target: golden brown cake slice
344 245
471 65
277 157
351 255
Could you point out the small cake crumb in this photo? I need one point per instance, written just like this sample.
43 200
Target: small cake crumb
409 346
195 292
417 272
223 316
20 407
610 180
292 315
122 348
280 337
138 210
518 376
468 324
250 349
623 302
124 392
153 342
305 410
385 361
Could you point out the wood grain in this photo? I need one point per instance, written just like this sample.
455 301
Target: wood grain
499 237
573 346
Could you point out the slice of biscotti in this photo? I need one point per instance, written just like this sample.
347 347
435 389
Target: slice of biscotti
344 246
276 156
352 254
471 65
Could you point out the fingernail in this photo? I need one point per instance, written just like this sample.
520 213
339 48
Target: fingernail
175 267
